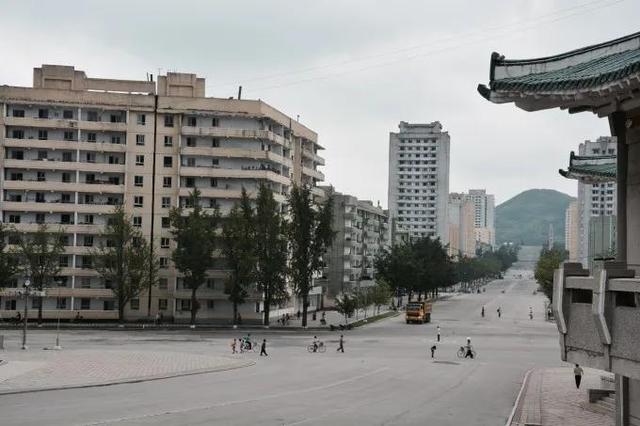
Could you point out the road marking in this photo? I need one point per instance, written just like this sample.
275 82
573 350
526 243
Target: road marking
240 401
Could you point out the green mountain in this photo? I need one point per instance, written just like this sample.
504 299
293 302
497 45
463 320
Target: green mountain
526 217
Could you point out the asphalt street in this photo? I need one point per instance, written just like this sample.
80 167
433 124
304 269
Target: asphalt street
386 376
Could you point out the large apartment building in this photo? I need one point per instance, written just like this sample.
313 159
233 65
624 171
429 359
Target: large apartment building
596 207
362 232
462 241
73 147
419 180
484 216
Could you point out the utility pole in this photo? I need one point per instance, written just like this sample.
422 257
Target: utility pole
27 289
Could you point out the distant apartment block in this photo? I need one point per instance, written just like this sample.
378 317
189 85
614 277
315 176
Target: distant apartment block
596 203
362 232
484 215
73 147
571 230
462 240
419 180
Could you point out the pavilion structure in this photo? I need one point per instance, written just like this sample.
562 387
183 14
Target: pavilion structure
597 312
591 169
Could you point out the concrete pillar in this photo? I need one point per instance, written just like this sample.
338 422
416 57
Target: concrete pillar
633 198
618 129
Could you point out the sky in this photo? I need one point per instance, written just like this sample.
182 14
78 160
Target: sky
351 70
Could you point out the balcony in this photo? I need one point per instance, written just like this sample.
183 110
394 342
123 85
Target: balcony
99 187
44 123
318 175
224 133
598 315
234 173
53 165
32 206
227 193
66 228
95 293
313 157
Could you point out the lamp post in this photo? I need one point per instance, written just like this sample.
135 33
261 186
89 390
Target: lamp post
27 289
57 347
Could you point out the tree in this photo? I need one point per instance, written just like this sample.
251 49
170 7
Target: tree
309 236
238 246
270 250
124 259
195 237
380 294
396 267
346 305
8 264
548 262
39 257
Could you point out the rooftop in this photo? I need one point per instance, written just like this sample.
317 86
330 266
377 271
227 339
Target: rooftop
591 169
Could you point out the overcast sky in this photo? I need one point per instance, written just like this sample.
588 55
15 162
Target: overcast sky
351 69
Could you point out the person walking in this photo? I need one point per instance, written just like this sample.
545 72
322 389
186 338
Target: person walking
233 346
577 372
499 311
530 313
482 312
438 333
263 348
468 349
298 314
433 350
341 344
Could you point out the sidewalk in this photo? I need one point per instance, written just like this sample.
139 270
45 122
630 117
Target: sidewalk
39 370
549 397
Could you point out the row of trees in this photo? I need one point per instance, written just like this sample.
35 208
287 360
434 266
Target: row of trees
423 266
548 262
258 246
362 298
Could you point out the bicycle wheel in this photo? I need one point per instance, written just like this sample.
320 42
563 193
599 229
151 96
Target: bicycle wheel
310 348
322 348
460 353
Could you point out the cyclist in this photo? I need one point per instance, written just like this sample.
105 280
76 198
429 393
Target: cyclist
468 349
246 342
316 343
530 312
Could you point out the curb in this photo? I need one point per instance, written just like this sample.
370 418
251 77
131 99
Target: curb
130 380
520 393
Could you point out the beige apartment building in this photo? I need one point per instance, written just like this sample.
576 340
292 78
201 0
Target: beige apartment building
462 240
73 147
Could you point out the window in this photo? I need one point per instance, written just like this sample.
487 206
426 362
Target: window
42 154
215 143
65 219
164 242
185 304
61 303
210 304
43 135
135 304
36 302
164 262
626 298
192 121
191 162
137 221
67 114
43 113
215 122
39 218
64 240
116 140
166 202
88 219
14 218
162 304
166 222
114 159
142 119
190 182
10 305
18 113
168 141
138 180
213 182
108 305
168 121
17 134
40 197
88 199
88 241
139 139
91 137
41 177
191 141
92 116
138 201
139 160
116 118
166 182
67 156
168 161
581 296
163 283
85 303
215 162
69 135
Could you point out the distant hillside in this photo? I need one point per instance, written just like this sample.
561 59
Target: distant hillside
526 217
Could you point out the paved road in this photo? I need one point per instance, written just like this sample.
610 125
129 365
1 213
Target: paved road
384 378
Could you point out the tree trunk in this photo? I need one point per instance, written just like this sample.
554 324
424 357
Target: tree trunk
267 308
305 306
194 305
121 313
39 310
235 313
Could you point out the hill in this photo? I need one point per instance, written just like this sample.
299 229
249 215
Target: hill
526 217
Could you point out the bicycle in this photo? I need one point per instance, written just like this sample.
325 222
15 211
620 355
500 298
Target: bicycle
254 346
463 351
320 348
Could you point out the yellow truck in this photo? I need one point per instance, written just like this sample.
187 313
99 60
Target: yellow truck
419 312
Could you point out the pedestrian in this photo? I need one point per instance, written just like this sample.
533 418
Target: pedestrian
263 348
298 314
233 347
482 312
324 315
157 319
438 333
287 318
433 350
530 313
241 342
161 319
577 372
499 311
341 344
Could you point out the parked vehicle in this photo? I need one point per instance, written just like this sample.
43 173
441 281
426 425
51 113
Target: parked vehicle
419 312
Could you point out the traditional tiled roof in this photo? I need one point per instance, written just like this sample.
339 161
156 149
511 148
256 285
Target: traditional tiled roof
593 169
591 78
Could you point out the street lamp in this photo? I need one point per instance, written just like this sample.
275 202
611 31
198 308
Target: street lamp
57 347
27 289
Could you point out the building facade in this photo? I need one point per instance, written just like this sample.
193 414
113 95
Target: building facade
596 201
419 180
571 229
73 147
362 231
462 240
484 215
